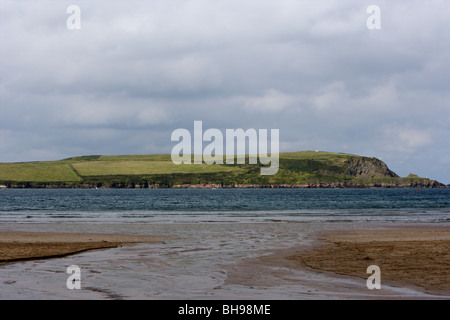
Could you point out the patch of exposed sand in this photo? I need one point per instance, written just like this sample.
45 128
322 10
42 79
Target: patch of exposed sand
19 246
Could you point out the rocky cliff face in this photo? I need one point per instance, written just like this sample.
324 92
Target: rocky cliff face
369 168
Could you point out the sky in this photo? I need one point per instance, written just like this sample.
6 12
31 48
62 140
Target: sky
134 71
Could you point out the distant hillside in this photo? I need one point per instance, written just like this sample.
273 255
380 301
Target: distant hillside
306 169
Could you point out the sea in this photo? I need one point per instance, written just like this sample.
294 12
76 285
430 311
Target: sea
224 205
215 234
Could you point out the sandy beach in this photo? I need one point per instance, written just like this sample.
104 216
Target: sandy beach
414 257
229 261
21 246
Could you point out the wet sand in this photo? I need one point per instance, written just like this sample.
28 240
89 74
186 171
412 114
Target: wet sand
414 257
21 246
227 261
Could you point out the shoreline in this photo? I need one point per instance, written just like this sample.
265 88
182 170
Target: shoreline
432 184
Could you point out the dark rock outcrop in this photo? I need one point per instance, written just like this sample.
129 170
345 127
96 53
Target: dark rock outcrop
369 168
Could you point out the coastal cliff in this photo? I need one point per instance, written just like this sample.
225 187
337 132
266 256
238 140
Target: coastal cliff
369 168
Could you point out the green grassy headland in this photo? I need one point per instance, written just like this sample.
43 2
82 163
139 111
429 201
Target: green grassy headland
296 169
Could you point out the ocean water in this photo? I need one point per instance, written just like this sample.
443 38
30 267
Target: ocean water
224 205
214 233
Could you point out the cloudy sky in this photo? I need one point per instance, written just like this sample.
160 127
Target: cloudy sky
137 70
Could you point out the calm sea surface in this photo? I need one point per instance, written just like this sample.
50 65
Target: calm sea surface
214 234
224 205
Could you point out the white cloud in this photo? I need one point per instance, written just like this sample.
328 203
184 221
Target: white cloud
333 96
272 101
406 140
109 113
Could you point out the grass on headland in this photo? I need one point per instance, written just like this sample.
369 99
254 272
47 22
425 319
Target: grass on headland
141 167
295 168
52 171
